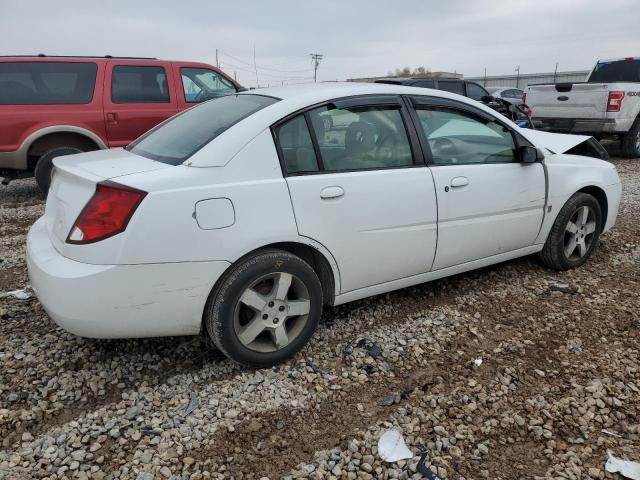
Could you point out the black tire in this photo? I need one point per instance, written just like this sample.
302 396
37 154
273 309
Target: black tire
44 166
630 141
222 311
553 254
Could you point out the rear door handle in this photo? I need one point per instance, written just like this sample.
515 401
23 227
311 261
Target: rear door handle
331 192
458 182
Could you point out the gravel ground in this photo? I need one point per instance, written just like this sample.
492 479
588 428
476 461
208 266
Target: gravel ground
558 385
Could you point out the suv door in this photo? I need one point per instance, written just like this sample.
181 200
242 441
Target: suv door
359 187
488 202
137 97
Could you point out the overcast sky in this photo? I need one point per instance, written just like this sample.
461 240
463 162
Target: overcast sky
358 38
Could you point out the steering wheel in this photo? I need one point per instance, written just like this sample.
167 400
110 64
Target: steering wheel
202 95
386 150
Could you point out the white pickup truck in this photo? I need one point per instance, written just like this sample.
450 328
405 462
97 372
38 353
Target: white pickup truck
606 104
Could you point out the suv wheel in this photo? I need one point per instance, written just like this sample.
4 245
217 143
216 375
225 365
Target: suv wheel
630 141
575 233
44 167
265 309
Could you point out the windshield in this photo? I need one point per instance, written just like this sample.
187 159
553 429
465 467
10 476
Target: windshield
617 71
180 137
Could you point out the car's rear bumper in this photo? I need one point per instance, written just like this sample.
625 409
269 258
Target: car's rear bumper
119 301
576 125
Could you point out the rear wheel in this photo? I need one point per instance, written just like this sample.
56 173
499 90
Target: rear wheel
265 309
574 234
630 141
44 167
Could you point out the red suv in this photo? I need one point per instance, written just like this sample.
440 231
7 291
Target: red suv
53 106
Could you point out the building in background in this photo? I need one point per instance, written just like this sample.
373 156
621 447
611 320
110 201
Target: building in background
525 79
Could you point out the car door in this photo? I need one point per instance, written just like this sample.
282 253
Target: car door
137 98
359 187
488 202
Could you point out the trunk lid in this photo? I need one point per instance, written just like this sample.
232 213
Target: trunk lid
568 100
74 183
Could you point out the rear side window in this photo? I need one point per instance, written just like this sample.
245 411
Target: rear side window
451 86
180 137
296 146
46 83
618 71
137 84
356 138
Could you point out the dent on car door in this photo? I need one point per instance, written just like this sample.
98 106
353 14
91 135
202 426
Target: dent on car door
356 189
488 202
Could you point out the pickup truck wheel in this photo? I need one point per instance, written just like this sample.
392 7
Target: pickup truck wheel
575 233
630 141
44 167
264 309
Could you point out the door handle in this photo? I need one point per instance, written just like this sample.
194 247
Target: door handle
112 118
331 192
458 182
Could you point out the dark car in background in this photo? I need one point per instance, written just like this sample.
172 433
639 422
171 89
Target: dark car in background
53 106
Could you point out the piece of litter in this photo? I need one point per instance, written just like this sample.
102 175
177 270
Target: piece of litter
477 362
613 434
375 351
19 294
191 406
424 470
626 468
390 399
391 447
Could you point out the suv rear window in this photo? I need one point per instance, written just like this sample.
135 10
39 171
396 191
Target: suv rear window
618 71
180 137
46 83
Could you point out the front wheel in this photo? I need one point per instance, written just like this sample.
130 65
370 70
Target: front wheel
575 233
265 309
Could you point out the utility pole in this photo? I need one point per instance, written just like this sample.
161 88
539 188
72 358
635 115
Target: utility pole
217 62
555 73
518 77
484 84
255 66
316 57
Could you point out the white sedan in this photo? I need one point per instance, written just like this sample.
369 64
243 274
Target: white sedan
240 218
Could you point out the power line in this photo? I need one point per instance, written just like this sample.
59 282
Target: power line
259 67
316 57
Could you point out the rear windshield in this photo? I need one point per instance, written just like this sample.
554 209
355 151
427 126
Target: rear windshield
618 71
176 140
46 83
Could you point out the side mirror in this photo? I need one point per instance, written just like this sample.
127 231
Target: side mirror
530 154
487 99
242 89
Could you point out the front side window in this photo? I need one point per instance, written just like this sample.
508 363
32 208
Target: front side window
361 138
201 84
475 91
176 140
456 137
139 84
46 83
425 84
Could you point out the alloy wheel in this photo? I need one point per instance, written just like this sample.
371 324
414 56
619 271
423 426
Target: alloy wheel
271 312
579 233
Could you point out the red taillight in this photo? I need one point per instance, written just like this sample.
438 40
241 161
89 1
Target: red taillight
107 213
615 101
